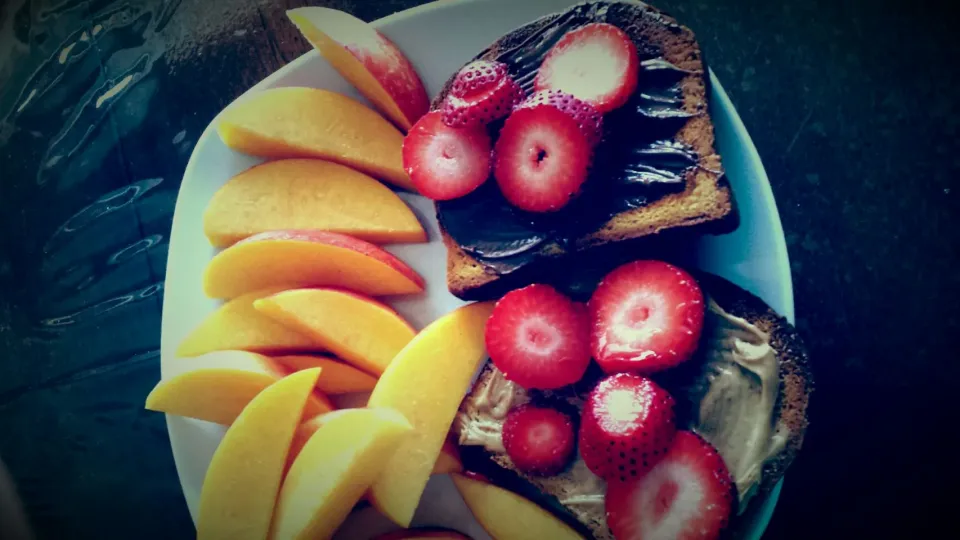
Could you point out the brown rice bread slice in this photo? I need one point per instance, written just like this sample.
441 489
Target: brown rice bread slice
569 493
706 203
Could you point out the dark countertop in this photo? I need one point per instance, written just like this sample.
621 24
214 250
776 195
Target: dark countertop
851 105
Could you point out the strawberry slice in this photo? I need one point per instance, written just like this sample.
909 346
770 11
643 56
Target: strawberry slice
444 162
688 495
597 63
538 440
586 116
538 338
541 159
626 426
482 92
645 316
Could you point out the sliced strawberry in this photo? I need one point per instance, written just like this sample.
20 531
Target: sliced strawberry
444 162
482 92
539 440
541 159
597 63
538 338
626 426
586 115
688 495
645 316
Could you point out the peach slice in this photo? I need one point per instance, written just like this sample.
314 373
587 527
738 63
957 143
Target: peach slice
422 534
308 194
237 326
447 462
297 258
357 329
367 59
337 377
241 485
426 382
312 123
217 386
334 469
504 514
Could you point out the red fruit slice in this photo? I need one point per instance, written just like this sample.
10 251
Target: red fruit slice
688 495
597 63
538 440
626 427
444 162
541 159
586 116
537 338
645 316
481 93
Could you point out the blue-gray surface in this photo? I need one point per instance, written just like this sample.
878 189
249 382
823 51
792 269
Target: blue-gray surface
851 104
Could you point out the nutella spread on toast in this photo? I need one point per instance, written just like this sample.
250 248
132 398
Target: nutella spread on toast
638 161
737 394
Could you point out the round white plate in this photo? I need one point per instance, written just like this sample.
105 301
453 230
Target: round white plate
439 38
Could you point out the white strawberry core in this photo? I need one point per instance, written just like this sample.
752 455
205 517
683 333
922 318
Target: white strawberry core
587 70
445 155
540 144
623 407
537 336
636 320
668 501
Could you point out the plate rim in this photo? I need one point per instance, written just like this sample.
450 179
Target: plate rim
754 163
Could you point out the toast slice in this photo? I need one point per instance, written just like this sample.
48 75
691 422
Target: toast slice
674 173
754 412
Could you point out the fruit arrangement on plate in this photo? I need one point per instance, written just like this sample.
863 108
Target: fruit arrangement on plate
588 389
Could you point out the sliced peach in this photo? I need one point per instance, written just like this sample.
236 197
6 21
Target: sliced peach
447 462
504 514
241 485
367 59
357 329
217 386
337 377
308 194
237 326
334 469
297 258
426 382
299 122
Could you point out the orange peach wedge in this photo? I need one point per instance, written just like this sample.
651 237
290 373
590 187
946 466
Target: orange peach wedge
308 194
240 488
334 469
298 258
367 59
337 377
447 462
237 326
217 386
312 123
504 514
425 383
357 329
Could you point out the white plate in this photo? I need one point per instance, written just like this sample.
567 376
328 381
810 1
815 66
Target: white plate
439 38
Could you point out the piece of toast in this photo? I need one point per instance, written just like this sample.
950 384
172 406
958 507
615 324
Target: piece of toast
576 494
705 204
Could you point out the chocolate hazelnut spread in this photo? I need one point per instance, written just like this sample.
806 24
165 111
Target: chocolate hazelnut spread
734 395
639 159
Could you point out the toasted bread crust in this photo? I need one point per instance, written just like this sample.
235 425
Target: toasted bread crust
705 205
795 388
